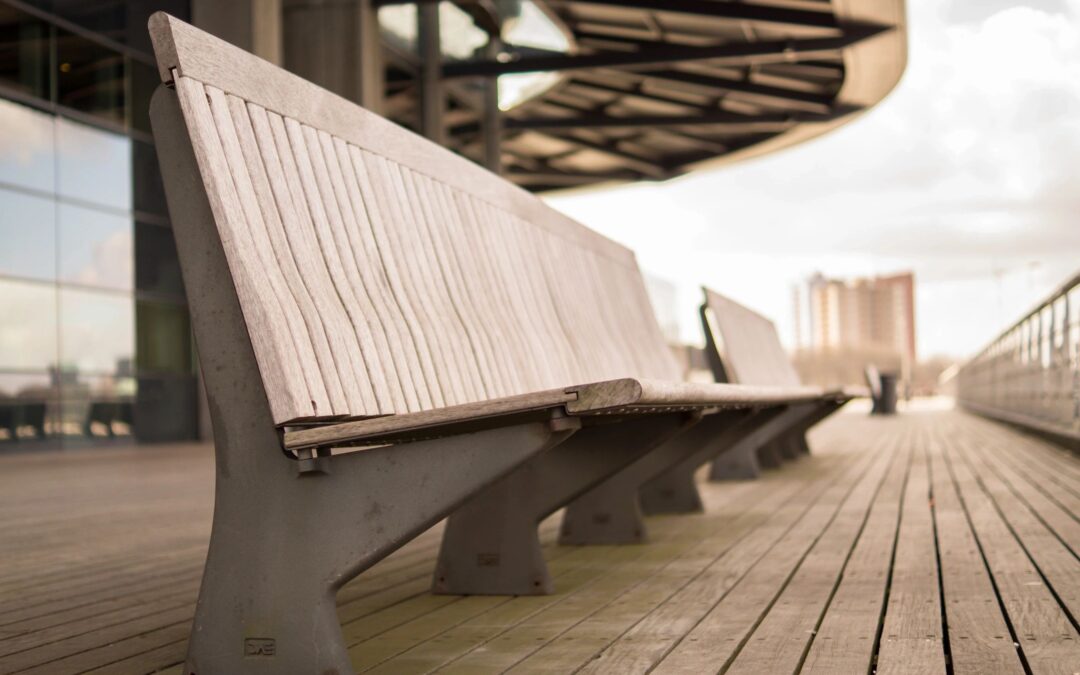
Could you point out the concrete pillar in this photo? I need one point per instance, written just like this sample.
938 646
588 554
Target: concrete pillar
252 25
432 99
337 46
491 124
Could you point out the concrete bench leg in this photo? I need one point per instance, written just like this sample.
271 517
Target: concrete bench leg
801 444
739 463
284 541
782 438
788 448
672 492
611 512
769 456
766 446
491 545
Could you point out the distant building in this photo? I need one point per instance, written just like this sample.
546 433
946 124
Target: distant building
867 319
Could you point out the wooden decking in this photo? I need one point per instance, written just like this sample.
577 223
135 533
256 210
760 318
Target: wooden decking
930 541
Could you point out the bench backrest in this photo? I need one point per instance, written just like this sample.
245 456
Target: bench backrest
747 344
873 380
379 273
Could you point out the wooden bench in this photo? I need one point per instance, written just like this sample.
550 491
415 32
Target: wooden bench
17 413
385 332
744 347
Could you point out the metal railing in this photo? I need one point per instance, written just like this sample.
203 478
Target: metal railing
1030 374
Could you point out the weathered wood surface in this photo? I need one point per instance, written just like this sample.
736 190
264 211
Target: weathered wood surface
748 344
600 398
380 274
903 544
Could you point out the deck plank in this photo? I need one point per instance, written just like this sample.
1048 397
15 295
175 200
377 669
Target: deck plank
1055 561
1048 640
641 626
912 640
844 641
721 634
798 571
780 641
460 640
979 637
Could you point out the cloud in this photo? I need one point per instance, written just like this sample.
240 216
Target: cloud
966 173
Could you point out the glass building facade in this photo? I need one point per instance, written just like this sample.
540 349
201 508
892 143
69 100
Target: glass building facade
95 341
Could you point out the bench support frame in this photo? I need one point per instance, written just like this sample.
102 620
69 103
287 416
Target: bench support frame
491 545
288 534
674 488
785 437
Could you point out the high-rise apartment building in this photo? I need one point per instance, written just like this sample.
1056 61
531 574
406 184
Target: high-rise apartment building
866 316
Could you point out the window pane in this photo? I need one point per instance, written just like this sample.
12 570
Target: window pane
27 236
28 406
96 248
164 338
26 147
96 405
97 332
24 52
93 165
157 268
28 327
90 77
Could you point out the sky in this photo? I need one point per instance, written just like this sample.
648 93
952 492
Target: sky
968 174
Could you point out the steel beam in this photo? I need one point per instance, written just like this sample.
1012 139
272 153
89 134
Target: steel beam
634 162
788 97
757 124
772 51
735 11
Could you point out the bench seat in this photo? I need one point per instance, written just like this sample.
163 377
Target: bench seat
615 397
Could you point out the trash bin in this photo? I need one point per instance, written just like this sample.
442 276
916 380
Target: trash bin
885 403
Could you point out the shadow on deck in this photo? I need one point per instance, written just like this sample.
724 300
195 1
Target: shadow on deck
910 542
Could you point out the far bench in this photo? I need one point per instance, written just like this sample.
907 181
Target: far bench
17 413
744 347
386 330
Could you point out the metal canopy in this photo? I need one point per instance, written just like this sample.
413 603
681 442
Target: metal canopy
655 88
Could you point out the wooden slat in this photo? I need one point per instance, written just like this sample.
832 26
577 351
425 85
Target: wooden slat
912 639
565 636
338 349
719 638
123 534
200 56
634 641
1055 560
380 274
783 635
281 369
844 642
1048 640
979 637
460 640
